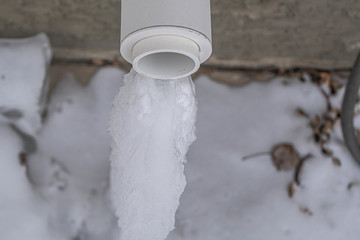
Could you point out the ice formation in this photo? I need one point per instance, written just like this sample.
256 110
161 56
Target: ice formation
152 124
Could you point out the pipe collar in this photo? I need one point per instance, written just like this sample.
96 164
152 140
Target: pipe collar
166 52
166 57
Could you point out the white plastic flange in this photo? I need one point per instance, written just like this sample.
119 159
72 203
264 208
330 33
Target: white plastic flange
166 57
167 44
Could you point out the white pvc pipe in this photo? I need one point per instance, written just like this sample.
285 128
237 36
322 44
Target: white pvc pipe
166 39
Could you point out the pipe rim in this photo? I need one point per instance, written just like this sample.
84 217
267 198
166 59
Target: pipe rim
200 39
159 74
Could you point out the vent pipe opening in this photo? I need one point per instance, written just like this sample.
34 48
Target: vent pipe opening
166 57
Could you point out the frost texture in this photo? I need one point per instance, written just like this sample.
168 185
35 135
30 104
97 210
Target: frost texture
152 124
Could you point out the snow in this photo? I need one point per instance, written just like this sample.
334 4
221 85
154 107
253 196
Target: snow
152 125
227 198
23 66
21 215
71 168
65 192
23 82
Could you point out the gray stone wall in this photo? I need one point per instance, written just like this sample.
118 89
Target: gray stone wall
246 33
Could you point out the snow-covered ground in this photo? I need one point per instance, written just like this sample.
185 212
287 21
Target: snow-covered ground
226 198
23 81
70 170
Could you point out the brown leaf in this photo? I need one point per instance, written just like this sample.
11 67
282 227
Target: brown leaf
334 86
336 161
292 189
326 127
301 112
325 78
285 157
299 168
306 210
327 98
22 159
327 151
315 122
336 111
317 137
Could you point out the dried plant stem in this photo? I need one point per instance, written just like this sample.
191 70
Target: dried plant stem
254 155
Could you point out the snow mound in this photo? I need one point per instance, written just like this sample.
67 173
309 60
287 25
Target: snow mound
21 213
23 81
228 198
71 167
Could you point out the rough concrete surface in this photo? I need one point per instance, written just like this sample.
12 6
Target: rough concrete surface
246 33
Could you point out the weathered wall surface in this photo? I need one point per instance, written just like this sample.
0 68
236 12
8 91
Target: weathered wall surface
246 33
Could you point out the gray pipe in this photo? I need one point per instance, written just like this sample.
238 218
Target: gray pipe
347 112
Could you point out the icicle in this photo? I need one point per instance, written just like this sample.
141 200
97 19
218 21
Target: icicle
152 125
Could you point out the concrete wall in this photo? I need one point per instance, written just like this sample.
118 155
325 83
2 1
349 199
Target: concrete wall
246 33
